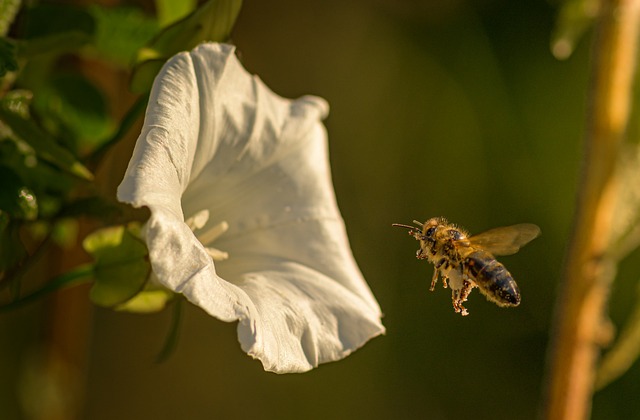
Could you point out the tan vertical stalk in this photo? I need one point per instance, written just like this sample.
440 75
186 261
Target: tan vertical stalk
580 310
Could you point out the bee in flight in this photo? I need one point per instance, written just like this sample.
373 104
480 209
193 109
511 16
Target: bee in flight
465 262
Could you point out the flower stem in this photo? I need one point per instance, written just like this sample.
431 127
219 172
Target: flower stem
580 319
171 340
13 277
79 275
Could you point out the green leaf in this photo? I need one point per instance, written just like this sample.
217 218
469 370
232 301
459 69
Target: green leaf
144 75
43 144
18 101
48 183
148 301
8 60
70 103
46 19
170 11
120 32
213 21
53 44
121 269
8 11
55 29
16 199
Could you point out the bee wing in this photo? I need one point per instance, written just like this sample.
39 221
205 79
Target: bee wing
506 240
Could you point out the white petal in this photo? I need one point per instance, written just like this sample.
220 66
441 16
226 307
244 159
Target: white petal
299 321
217 139
182 264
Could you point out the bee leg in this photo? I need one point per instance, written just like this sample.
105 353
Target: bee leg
438 266
457 306
457 303
445 281
467 287
458 297
434 280
420 254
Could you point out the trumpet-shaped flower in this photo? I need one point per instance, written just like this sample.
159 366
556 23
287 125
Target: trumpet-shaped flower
244 220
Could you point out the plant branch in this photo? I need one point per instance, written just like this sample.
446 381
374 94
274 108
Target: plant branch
580 310
79 275
13 277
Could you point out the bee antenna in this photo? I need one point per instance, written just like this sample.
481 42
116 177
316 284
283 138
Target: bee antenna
418 223
404 226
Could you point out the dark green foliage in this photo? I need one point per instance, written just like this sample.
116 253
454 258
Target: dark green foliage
8 60
213 21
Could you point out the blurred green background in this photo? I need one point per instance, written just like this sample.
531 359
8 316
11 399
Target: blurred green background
454 109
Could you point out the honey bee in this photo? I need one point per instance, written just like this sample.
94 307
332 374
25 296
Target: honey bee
465 262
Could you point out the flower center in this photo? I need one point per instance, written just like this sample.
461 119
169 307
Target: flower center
206 236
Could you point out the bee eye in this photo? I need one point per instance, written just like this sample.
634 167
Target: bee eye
430 231
456 235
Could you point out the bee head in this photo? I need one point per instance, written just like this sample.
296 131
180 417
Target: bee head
427 231
431 227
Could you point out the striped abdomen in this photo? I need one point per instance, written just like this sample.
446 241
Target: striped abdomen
492 278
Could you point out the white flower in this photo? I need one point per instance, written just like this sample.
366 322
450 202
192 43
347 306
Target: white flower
223 159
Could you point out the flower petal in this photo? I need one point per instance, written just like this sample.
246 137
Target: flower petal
217 139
